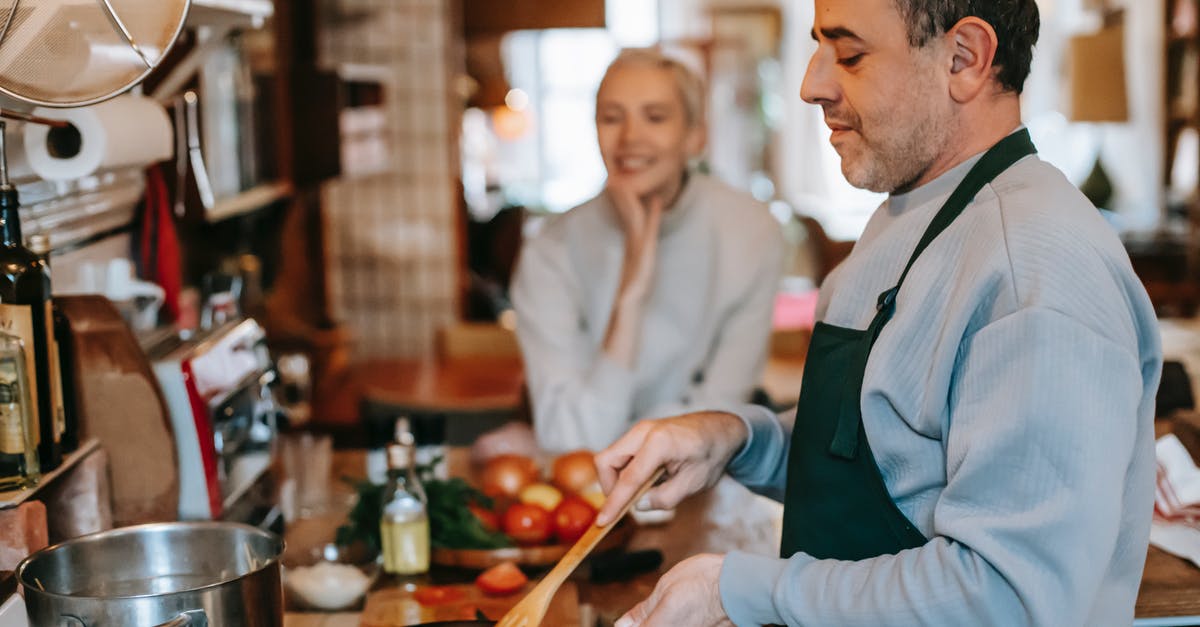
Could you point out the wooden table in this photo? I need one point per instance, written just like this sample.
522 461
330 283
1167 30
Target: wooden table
729 517
443 385
1171 585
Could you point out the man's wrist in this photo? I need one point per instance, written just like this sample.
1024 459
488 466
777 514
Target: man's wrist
734 431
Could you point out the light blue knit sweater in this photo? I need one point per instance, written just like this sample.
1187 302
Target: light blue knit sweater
1010 404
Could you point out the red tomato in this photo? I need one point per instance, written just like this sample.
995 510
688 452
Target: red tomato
438 595
572 517
487 518
501 579
527 524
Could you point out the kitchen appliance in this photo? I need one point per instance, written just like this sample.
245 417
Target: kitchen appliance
223 412
177 574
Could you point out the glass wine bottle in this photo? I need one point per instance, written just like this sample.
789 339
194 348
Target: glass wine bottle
25 312
62 381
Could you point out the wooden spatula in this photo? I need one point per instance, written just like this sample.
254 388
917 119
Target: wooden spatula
530 611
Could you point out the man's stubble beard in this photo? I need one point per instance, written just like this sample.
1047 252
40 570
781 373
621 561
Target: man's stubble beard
901 148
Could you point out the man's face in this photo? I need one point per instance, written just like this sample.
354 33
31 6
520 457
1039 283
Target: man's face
643 130
886 102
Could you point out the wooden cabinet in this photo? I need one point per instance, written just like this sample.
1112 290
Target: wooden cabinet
1182 77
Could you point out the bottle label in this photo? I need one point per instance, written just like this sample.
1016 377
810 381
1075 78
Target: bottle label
56 374
12 425
17 320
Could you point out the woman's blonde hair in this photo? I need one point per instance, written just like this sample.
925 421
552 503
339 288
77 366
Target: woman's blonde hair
691 88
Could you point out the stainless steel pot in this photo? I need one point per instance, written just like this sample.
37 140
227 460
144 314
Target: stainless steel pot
169 574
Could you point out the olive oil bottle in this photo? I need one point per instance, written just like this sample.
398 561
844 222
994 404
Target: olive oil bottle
404 522
62 382
25 312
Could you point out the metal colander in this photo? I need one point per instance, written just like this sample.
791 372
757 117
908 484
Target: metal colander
70 53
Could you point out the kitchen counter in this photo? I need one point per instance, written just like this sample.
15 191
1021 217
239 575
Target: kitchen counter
730 517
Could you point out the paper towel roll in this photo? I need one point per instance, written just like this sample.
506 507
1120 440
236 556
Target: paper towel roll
128 131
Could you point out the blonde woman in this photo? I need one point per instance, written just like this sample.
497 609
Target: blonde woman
654 297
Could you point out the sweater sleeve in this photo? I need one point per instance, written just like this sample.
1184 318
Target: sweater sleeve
761 465
580 397
1043 421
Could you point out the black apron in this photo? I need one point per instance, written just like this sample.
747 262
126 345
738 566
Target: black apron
837 505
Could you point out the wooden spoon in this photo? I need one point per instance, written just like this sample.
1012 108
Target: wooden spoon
530 611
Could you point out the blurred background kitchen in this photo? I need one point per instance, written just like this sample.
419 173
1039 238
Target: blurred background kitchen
305 218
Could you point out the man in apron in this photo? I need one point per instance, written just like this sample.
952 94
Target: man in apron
973 443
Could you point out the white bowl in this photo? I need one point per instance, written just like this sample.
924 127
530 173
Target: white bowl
327 585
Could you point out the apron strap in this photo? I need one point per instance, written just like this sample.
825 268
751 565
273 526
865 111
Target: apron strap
1003 155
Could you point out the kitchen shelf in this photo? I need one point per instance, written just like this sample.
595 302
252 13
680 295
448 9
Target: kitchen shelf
248 201
13 498
243 13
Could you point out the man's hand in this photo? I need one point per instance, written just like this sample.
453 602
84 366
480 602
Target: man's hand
688 594
694 449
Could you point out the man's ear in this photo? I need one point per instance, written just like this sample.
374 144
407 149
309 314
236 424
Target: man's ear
973 52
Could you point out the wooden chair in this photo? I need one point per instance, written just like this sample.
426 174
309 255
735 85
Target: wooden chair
828 253
478 340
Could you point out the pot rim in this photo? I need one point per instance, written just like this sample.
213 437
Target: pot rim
133 529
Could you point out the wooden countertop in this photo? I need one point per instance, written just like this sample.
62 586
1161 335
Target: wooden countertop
729 517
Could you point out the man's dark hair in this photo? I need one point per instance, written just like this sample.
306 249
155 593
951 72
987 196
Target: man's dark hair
1016 23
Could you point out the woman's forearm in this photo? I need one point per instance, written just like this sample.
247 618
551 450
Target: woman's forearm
622 338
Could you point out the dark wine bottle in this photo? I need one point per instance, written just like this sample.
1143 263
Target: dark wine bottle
25 312
63 381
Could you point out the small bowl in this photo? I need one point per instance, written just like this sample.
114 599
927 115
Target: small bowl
652 517
337 579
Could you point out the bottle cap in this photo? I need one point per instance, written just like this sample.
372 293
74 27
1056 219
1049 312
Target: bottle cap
404 434
399 456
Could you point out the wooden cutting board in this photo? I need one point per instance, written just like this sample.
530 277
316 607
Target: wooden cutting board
396 607
119 403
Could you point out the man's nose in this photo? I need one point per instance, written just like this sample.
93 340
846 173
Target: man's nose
819 86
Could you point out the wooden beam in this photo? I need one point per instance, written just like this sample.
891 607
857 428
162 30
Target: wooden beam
481 17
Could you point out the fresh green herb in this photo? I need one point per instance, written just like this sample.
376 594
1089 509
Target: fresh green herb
452 524
362 524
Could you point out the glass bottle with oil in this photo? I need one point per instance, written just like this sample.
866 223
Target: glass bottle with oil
404 523
18 444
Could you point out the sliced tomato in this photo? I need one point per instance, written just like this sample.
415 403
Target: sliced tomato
501 579
430 596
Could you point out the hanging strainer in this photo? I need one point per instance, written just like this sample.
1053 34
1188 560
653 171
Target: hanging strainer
71 53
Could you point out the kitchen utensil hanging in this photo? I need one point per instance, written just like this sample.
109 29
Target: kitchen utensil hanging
73 53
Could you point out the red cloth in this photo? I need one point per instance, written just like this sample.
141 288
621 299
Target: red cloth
160 255
795 311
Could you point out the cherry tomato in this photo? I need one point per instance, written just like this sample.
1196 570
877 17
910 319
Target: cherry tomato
572 517
438 595
501 579
487 518
527 524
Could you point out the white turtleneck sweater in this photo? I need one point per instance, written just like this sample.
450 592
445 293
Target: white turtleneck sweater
1010 407
704 332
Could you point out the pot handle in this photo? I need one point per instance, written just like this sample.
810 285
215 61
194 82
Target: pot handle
190 618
